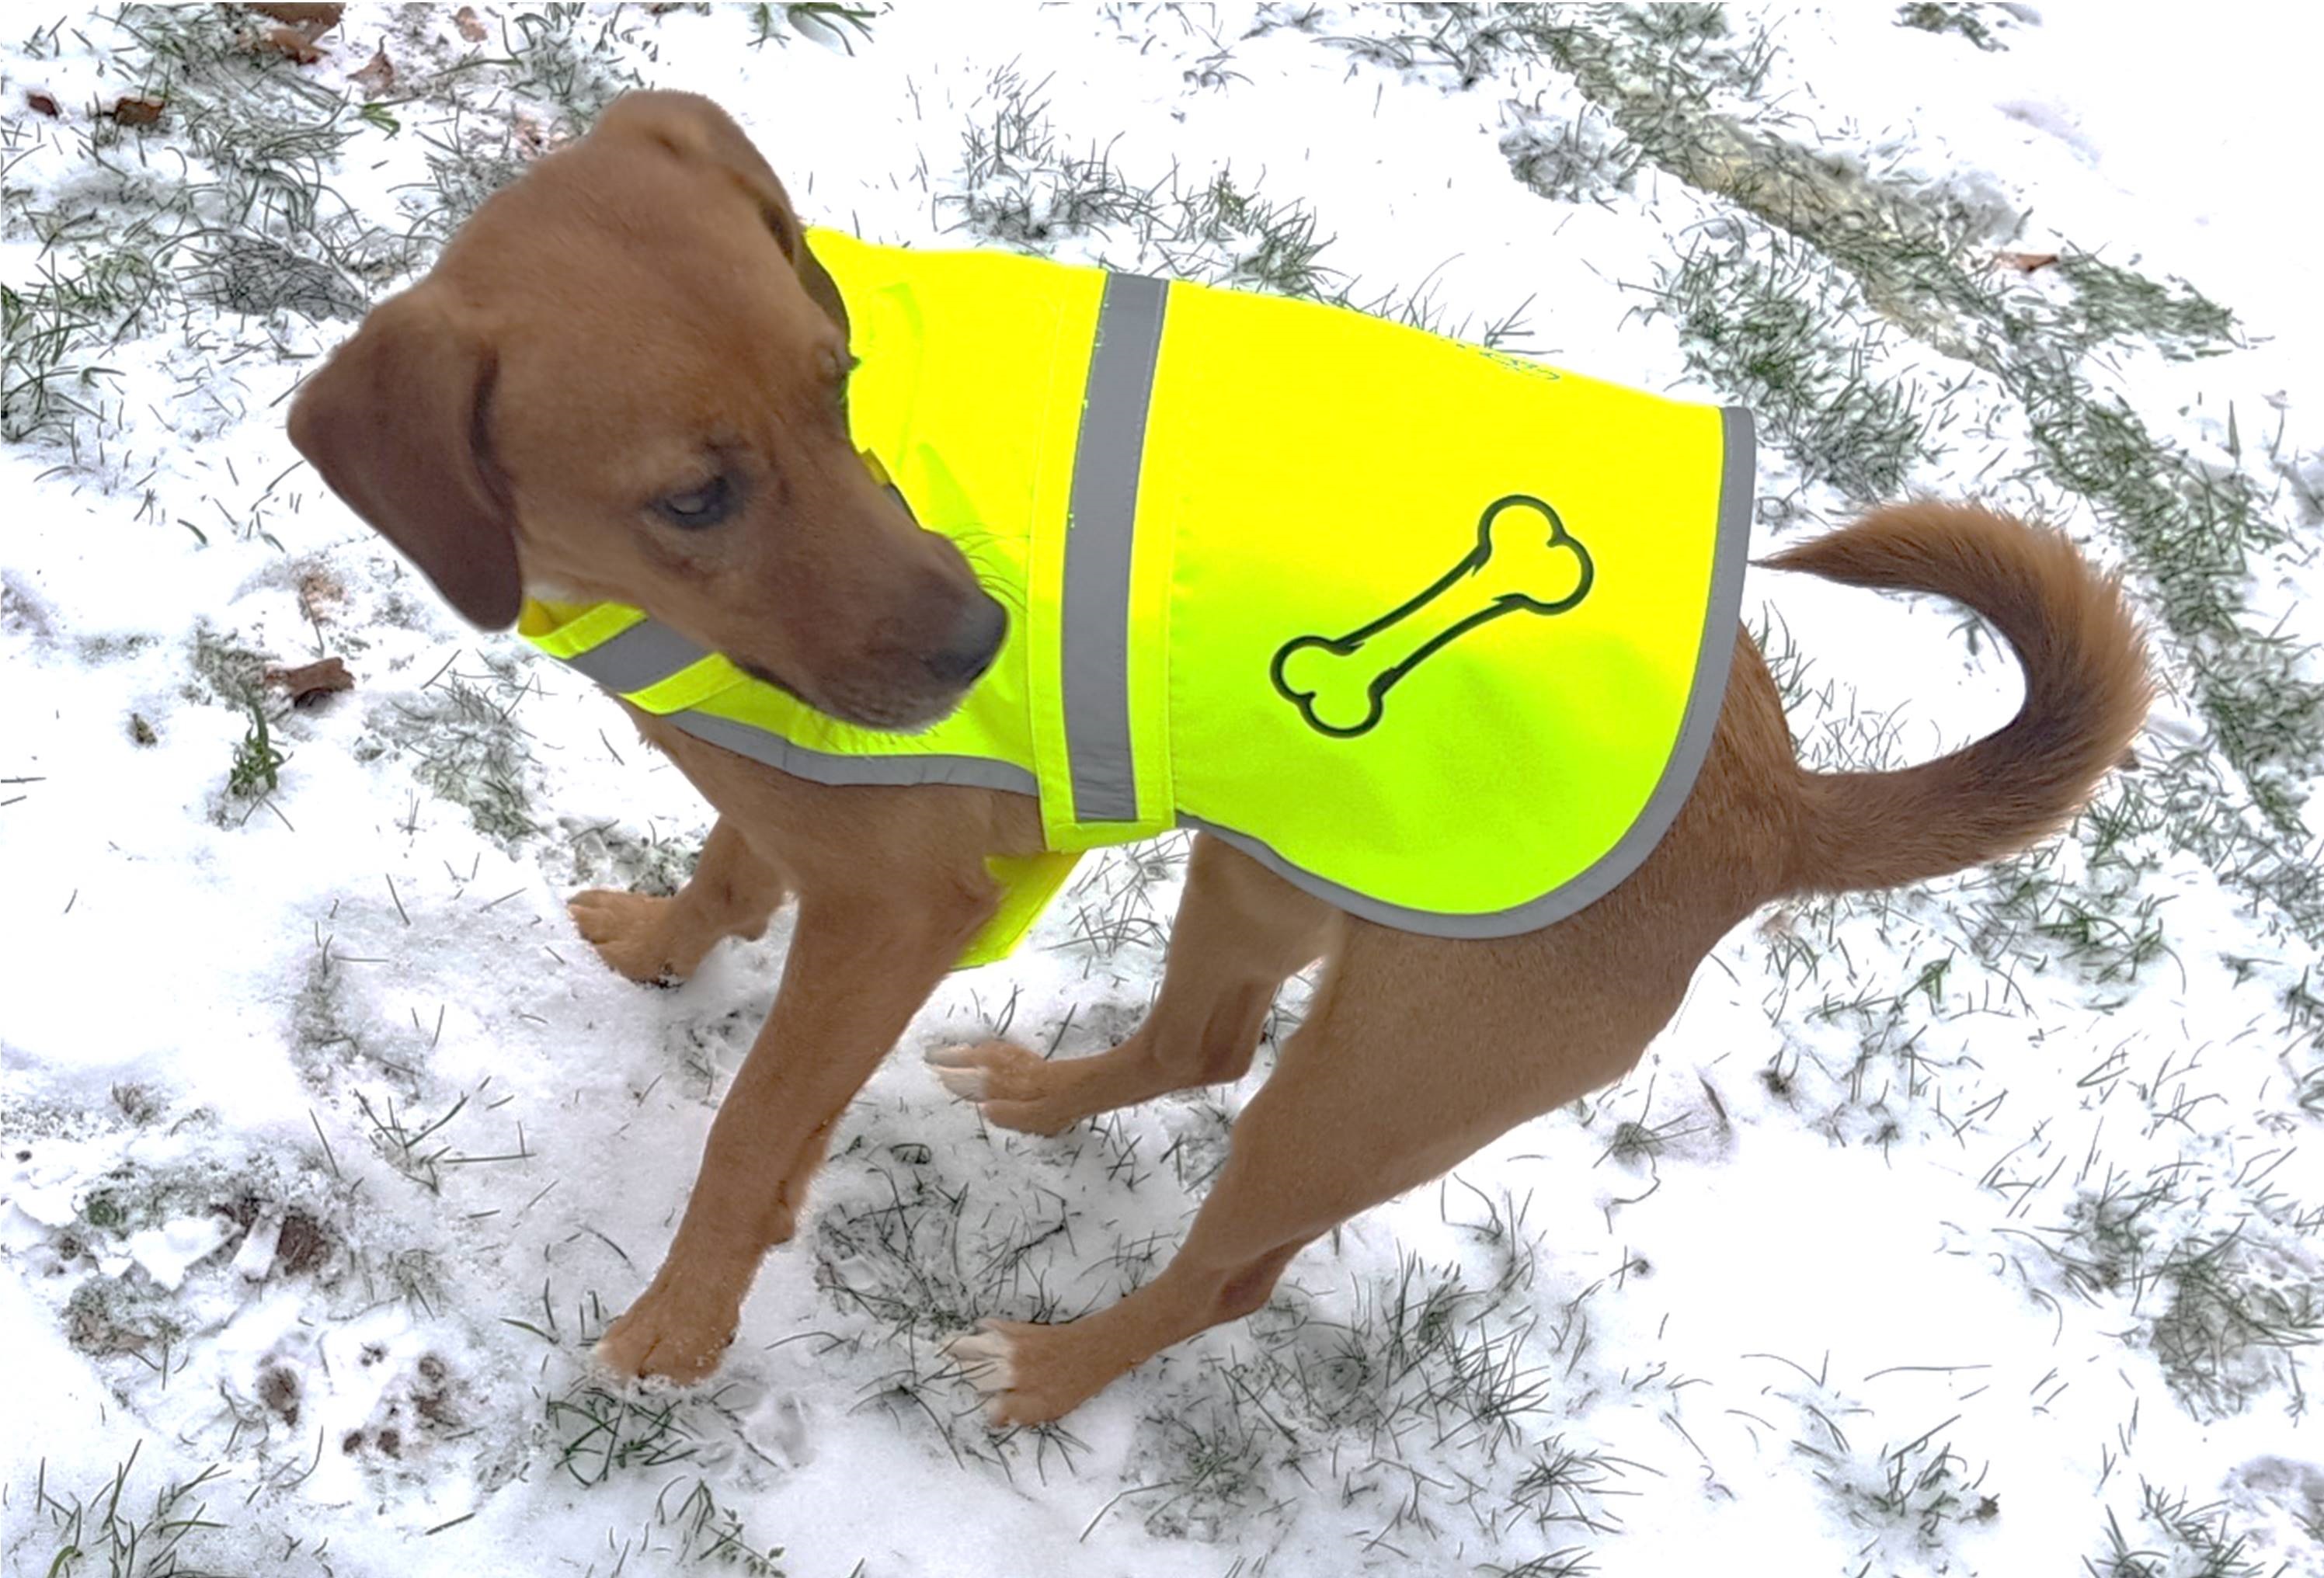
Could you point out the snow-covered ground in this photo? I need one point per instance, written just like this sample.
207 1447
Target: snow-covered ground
1968 1230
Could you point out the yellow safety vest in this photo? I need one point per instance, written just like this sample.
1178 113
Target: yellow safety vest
1438 634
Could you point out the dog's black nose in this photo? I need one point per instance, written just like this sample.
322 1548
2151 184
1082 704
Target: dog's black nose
974 643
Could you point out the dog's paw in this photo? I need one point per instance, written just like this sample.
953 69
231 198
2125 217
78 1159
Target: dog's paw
1011 1087
661 1336
1026 1374
628 932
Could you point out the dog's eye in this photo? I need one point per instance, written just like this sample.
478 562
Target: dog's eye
698 507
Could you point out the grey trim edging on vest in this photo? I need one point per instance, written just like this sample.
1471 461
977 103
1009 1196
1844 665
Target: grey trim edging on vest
1706 699
1094 638
647 653
844 772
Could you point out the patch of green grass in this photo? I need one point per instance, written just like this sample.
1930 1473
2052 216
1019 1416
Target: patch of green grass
826 20
257 764
1207 1469
2226 1312
319 1020
2103 924
1635 1141
927 1262
419 1146
104 1532
1227 235
1966 21
1022 184
1569 1562
218 203
1914 1495
408 1141
1424 1396
1572 161
108 1315
2104 1242
1607 41
1766 324
598 1435
575 58
2229 1325
468 159
2112 304
911 1259
56 337
613 855
224 669
1566 1485
2170 1538
226 200
466 745
1116 896
711 1532
128 1314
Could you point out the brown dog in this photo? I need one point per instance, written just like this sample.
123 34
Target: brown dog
635 339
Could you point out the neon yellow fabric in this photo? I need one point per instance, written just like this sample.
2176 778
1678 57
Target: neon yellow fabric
1504 762
565 629
1417 622
1028 883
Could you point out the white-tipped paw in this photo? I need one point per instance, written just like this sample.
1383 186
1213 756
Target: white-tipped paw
1011 1087
986 1360
960 1070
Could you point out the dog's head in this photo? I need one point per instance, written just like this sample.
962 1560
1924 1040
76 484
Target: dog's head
626 379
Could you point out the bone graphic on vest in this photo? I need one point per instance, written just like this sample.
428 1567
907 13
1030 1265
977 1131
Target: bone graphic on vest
1524 562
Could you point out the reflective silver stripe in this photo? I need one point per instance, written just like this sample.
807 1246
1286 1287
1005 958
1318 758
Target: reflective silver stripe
833 767
644 654
1093 640
1706 699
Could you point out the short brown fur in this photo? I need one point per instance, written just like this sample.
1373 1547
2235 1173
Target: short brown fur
641 311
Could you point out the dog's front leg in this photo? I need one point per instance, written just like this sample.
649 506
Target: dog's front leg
861 963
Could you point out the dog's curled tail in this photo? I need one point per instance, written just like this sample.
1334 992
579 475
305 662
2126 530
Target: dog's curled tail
2085 695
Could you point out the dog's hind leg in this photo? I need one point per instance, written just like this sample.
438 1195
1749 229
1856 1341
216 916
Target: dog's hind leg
1240 930
1416 1052
732 893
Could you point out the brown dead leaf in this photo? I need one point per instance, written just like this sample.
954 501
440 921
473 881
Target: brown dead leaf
290 42
312 20
377 75
301 25
2026 263
42 104
134 111
465 19
307 683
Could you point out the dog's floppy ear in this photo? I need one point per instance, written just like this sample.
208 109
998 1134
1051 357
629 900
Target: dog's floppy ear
693 128
395 423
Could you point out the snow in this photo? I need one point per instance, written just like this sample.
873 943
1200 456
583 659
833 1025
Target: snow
229 1236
